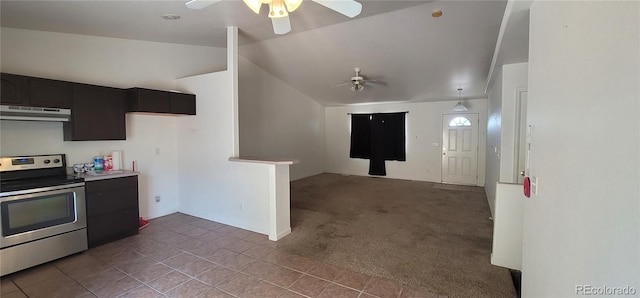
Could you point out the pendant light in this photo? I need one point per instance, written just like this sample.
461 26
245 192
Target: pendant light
459 107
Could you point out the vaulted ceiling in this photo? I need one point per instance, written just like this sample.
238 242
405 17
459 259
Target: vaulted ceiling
413 56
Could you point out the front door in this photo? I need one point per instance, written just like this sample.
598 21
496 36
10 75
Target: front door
460 148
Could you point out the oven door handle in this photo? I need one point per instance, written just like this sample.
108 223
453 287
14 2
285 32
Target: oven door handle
42 189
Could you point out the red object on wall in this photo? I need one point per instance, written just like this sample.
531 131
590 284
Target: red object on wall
526 186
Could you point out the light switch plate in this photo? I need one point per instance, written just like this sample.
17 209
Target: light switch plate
435 144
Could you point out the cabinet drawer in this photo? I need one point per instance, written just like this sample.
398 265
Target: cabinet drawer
112 201
111 184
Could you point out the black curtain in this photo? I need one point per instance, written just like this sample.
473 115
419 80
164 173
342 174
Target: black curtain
378 137
360 136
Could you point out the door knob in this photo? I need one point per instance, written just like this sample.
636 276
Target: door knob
522 173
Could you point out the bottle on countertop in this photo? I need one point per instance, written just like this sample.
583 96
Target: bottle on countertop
107 163
98 164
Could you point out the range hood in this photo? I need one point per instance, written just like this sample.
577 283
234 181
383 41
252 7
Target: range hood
9 112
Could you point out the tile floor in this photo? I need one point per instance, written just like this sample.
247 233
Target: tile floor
183 256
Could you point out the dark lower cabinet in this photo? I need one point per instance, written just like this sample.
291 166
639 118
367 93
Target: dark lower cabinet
98 113
112 209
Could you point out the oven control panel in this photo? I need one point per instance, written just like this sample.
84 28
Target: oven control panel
17 163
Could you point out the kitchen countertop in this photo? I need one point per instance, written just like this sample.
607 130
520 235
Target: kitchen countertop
106 175
272 161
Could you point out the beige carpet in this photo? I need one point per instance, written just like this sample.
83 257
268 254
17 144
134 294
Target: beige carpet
408 231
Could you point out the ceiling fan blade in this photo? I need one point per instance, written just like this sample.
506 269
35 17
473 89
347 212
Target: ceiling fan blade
281 25
200 4
342 84
348 8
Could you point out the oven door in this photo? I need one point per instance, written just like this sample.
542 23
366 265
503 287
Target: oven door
29 215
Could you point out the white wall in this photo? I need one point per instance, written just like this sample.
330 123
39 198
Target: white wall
424 127
212 187
583 227
109 62
506 249
501 126
278 121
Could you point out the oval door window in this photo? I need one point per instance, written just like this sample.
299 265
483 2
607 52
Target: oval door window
460 121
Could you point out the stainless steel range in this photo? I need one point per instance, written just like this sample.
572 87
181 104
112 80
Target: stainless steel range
42 211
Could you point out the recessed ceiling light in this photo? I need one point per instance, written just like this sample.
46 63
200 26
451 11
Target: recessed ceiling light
436 13
170 17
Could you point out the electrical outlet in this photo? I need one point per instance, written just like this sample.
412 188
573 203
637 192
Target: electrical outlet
157 199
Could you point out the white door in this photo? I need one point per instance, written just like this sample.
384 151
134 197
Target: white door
521 134
460 148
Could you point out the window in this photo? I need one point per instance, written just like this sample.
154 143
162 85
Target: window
460 121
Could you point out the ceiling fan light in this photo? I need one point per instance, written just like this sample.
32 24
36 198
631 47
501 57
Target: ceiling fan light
292 5
277 9
254 5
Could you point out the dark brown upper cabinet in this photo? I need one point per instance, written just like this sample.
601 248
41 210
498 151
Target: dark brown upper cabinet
97 113
49 93
156 101
35 92
14 89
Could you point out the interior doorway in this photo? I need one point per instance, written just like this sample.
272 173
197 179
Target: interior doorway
460 148
520 138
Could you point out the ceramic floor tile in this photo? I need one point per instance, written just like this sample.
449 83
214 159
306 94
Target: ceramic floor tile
289 294
299 263
7 286
277 257
238 262
238 284
309 286
122 258
52 287
239 246
221 256
37 275
382 288
258 251
216 293
352 279
263 290
151 272
190 245
168 281
192 288
324 270
189 264
117 287
215 276
283 277
98 280
137 265
14 294
81 265
141 292
337 291
106 251
210 236
260 269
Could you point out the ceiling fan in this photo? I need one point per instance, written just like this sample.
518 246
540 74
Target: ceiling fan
357 82
279 9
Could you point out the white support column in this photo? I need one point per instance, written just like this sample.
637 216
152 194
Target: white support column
232 68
